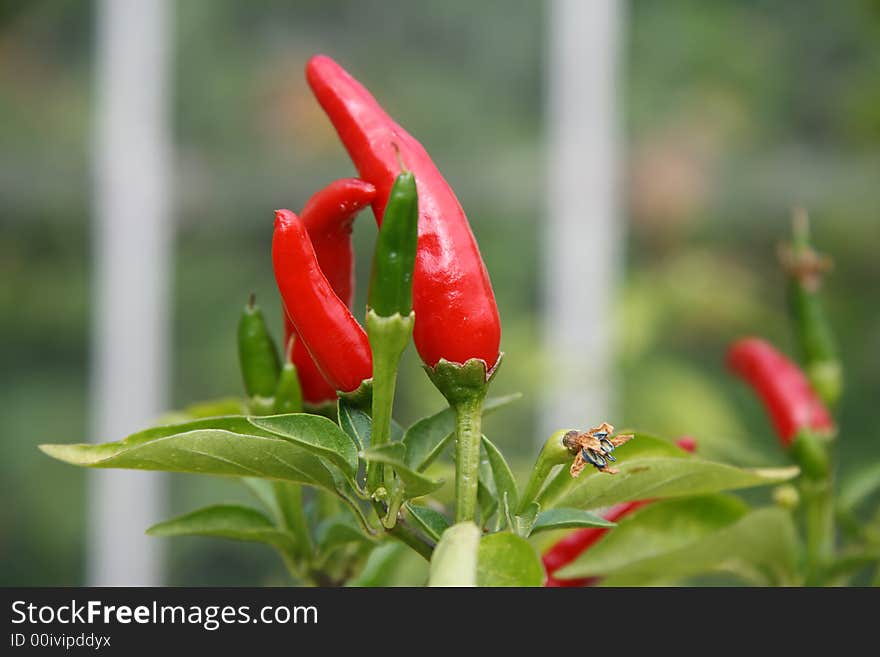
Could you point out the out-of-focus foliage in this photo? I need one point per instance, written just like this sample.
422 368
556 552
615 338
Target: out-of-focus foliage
734 112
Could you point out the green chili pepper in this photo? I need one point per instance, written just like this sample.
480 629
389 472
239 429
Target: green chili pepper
257 354
393 261
814 335
554 452
288 394
390 317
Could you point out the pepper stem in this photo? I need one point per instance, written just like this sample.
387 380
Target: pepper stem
465 387
819 526
468 434
290 502
388 339
812 455
552 454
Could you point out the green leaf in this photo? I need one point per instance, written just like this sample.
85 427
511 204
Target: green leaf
657 478
564 518
205 409
487 501
218 446
454 562
227 521
858 487
487 497
215 408
524 521
426 438
316 434
432 522
642 446
292 515
414 483
849 562
761 547
356 423
264 491
506 559
383 565
338 530
505 484
656 529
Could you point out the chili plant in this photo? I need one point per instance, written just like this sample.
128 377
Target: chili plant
814 536
345 489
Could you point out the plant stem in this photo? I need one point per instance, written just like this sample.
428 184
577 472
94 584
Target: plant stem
290 502
380 434
405 534
819 524
388 339
402 532
464 386
468 432
367 528
553 453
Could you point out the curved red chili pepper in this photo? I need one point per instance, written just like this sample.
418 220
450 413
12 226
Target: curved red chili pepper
323 322
328 216
570 547
456 314
782 387
315 388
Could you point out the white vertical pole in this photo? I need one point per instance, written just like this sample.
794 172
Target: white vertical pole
132 242
583 224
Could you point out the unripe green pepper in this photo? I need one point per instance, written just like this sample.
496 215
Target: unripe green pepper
395 255
257 354
390 317
804 267
811 454
553 453
288 393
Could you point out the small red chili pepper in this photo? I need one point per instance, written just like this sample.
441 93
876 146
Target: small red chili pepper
456 314
323 322
315 388
783 388
328 216
687 443
574 544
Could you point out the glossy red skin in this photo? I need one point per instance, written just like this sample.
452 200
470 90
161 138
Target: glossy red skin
315 388
328 217
570 547
456 314
334 339
782 387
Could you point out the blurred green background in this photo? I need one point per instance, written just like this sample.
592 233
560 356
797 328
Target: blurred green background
733 112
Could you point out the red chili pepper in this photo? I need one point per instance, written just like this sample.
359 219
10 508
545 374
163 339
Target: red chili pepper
323 322
570 547
573 545
687 443
328 216
782 387
456 314
315 388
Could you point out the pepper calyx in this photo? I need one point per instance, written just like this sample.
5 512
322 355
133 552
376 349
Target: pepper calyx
361 397
459 382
